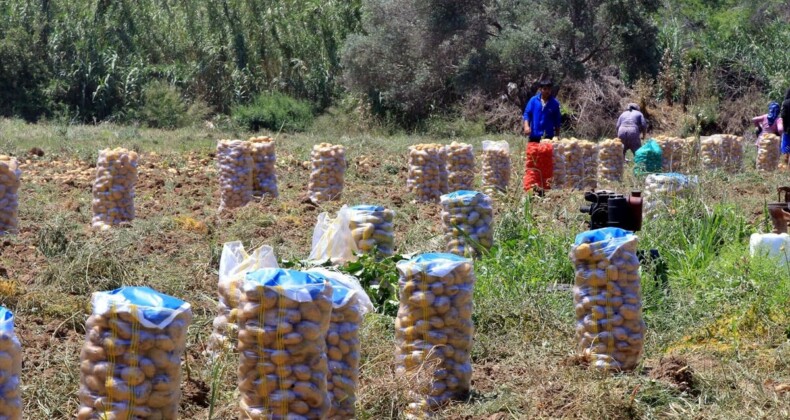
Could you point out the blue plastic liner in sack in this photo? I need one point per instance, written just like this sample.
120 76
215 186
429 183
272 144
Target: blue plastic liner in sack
10 368
283 321
648 159
434 328
607 297
130 364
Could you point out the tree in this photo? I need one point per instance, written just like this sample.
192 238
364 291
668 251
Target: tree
419 56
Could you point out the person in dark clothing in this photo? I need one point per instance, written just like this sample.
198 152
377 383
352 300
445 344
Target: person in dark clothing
542 114
785 116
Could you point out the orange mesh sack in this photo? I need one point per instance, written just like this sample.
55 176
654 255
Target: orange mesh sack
539 166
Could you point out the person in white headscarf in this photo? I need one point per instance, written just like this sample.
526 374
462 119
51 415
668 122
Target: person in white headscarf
631 128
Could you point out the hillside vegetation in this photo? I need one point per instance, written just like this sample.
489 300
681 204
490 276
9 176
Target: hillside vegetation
414 64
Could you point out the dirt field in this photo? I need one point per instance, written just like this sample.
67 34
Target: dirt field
717 343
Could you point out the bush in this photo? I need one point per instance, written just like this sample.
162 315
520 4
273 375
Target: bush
163 106
274 111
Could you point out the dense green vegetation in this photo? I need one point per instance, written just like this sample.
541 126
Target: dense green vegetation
80 60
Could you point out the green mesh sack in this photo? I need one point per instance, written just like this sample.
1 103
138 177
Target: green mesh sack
647 159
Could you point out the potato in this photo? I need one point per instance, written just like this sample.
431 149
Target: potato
610 160
113 188
327 170
441 331
235 165
10 175
264 176
143 368
607 299
428 177
467 218
283 373
460 166
722 151
496 166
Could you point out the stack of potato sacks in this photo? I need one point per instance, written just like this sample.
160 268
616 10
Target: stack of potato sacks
283 322
131 362
672 152
264 176
661 189
460 166
10 175
610 160
10 368
234 162
234 264
467 216
557 180
427 172
589 152
327 171
113 188
371 227
349 304
768 152
607 295
496 166
433 328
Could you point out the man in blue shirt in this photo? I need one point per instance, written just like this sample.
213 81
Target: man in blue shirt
542 114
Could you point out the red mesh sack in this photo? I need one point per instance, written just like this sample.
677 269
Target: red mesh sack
539 167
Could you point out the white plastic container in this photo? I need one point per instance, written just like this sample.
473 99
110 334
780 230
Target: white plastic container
772 245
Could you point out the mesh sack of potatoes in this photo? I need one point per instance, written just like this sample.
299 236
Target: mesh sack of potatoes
131 362
433 328
327 169
671 153
711 152
349 304
371 227
768 152
10 368
264 177
283 321
10 175
589 152
574 164
496 166
734 156
113 188
610 160
234 162
557 180
467 216
608 299
662 189
460 166
427 178
234 264
538 166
